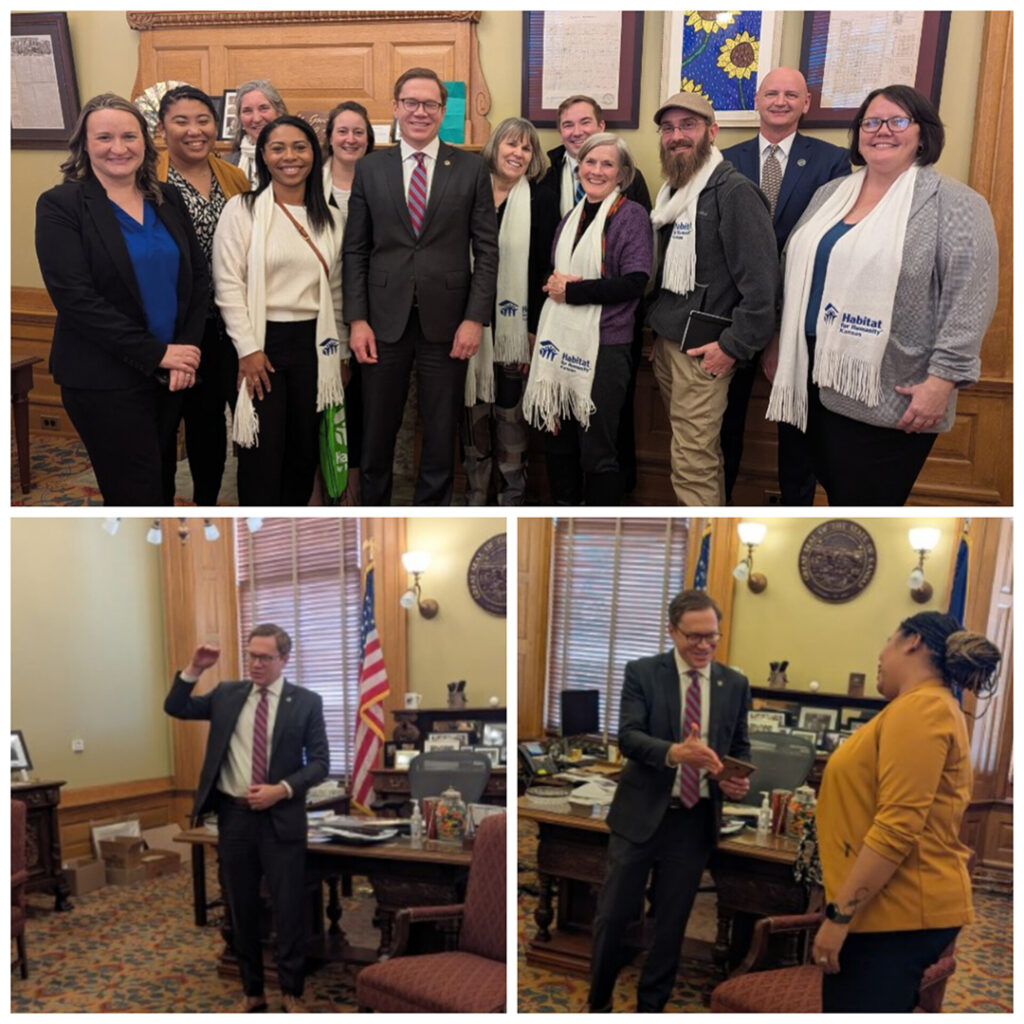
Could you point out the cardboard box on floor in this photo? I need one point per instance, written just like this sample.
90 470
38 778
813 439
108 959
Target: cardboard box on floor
129 859
84 874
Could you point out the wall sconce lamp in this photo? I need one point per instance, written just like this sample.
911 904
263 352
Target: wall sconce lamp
923 540
416 563
751 534
155 534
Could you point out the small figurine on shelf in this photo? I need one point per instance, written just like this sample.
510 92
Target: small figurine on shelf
457 694
777 674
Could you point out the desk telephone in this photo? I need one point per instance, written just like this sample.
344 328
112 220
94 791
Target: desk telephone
535 760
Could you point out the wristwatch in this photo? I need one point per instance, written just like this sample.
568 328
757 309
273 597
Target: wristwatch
833 913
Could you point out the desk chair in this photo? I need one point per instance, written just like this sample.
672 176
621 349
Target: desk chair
470 979
19 876
783 762
431 773
798 989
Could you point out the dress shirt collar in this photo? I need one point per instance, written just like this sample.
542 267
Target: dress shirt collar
274 689
785 145
684 670
430 149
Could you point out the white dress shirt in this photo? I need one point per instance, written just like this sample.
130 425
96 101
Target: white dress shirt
704 676
763 145
409 163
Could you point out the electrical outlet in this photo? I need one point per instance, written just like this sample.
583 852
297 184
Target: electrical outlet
77 746
49 423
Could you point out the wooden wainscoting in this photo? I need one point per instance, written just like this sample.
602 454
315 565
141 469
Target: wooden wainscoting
32 320
154 802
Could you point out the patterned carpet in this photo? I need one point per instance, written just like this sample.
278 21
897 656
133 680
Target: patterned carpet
983 982
136 949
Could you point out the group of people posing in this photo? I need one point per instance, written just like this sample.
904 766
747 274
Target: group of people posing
518 286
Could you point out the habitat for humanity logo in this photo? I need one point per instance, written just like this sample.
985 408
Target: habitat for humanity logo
508 308
681 229
830 313
548 350
574 364
858 326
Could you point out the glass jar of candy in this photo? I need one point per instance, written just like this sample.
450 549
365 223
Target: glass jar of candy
451 817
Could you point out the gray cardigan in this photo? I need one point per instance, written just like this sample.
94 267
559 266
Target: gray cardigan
945 297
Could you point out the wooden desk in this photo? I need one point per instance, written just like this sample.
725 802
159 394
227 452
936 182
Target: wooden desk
401 876
391 786
42 839
753 877
21 385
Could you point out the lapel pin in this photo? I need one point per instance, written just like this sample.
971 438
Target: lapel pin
719 682
801 162
447 163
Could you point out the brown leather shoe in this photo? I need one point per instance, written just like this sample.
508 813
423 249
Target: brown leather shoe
251 1004
293 1004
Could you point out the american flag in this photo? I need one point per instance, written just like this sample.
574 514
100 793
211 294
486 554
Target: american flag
373 688
700 572
958 593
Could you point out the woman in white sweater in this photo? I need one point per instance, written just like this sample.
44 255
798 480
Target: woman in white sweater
277 268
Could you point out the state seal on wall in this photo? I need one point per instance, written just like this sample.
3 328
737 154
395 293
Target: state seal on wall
837 560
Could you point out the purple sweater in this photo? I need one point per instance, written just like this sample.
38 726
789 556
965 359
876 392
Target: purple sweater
628 248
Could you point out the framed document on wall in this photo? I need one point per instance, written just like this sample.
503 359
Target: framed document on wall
846 54
44 92
595 53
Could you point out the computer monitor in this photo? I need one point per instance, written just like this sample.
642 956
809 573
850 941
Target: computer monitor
580 712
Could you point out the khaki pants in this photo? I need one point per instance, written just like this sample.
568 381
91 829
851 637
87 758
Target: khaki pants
695 402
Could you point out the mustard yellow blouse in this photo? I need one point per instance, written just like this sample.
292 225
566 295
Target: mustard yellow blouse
900 785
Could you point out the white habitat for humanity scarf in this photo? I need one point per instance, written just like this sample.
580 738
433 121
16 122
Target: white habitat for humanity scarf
506 341
329 391
855 316
562 369
680 264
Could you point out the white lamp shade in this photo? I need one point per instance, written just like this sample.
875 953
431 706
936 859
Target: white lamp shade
924 538
752 533
210 531
416 561
408 599
742 572
255 524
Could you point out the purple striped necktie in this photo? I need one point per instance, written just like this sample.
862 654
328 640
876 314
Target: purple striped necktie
418 193
689 777
259 742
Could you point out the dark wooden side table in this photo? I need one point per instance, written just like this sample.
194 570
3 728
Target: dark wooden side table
42 839
21 385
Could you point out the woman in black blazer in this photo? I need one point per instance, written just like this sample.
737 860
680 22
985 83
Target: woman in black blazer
130 284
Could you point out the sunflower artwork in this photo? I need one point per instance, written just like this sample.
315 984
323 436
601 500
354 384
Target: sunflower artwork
721 57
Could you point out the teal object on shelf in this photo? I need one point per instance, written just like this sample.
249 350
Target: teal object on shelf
453 127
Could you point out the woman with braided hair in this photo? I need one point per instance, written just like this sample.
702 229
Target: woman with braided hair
889 814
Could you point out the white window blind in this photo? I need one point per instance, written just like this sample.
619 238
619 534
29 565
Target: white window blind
304 575
612 581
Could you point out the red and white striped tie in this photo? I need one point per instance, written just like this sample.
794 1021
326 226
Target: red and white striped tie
259 742
689 776
418 193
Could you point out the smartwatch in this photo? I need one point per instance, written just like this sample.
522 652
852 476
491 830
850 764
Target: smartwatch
833 913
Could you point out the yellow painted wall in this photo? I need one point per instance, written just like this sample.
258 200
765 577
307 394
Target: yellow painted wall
87 654
463 641
106 56
825 641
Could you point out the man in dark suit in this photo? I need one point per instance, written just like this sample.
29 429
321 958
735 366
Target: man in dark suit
790 168
680 712
267 745
578 118
410 293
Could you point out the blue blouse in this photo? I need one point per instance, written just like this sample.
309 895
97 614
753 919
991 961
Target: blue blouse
821 258
155 258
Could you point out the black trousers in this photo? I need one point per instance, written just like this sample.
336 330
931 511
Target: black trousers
583 465
130 435
281 468
249 851
678 853
880 972
204 404
440 383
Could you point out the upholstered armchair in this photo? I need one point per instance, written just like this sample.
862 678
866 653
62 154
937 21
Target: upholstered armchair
469 979
19 876
798 989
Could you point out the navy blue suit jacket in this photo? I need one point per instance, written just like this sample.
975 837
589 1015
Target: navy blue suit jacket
811 163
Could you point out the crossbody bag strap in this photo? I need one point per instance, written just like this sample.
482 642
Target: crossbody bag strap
305 236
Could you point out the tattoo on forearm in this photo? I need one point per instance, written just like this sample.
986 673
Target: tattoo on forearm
861 896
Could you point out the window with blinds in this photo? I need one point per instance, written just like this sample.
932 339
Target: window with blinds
304 575
612 580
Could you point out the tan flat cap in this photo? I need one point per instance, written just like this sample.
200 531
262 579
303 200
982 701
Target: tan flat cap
691 101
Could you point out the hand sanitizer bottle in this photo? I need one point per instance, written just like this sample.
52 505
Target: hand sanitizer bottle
764 817
416 825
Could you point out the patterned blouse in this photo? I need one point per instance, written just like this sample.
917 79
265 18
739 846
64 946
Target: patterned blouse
204 214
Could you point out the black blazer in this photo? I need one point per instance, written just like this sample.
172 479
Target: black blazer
552 182
100 339
811 163
651 721
385 266
298 748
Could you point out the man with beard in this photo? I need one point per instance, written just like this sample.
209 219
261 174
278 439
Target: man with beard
717 257
790 168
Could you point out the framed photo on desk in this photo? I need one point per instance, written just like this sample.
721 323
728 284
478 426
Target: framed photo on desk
20 761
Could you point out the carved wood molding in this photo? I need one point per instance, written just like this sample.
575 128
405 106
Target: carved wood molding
147 21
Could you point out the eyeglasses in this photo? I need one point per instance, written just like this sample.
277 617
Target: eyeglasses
411 105
666 130
262 659
701 638
894 124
